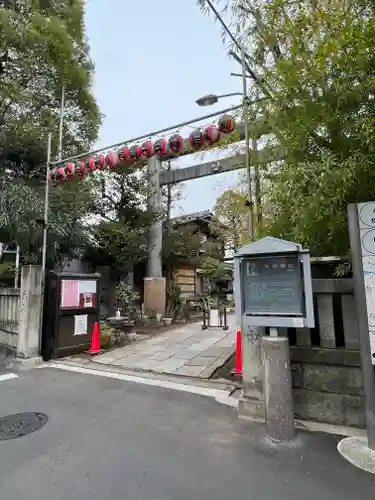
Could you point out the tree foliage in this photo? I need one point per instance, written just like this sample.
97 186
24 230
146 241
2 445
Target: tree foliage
231 213
180 243
22 216
119 235
215 269
315 60
43 49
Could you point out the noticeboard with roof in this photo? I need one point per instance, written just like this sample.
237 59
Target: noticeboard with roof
273 284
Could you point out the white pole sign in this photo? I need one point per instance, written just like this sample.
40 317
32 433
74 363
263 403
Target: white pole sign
366 215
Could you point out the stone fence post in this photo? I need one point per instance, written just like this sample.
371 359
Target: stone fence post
30 313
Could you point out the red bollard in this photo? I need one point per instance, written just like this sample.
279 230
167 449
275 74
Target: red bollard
238 369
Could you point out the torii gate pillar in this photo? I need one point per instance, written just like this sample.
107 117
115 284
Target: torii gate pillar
155 283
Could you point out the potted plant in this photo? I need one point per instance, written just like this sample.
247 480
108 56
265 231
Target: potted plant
128 302
173 302
169 314
206 302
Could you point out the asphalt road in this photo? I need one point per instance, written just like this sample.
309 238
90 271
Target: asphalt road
108 439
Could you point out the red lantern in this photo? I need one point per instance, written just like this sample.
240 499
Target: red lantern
69 170
176 143
124 156
100 162
91 164
112 160
211 134
61 174
52 175
80 168
161 147
147 149
135 152
196 139
226 124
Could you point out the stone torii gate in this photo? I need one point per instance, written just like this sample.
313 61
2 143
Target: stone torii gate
155 283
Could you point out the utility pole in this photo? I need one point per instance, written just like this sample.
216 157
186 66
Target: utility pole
61 124
247 145
258 188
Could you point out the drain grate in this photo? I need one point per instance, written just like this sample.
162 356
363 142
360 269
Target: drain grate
21 424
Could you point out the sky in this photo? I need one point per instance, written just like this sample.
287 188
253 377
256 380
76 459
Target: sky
152 61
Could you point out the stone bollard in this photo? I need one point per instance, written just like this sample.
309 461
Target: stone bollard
278 399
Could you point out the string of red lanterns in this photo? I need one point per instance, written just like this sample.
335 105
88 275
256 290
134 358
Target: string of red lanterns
161 147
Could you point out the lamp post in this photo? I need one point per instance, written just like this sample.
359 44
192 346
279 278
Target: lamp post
61 123
210 99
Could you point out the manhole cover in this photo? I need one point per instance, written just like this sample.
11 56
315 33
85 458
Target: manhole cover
20 424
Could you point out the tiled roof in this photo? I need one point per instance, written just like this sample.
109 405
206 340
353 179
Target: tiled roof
185 219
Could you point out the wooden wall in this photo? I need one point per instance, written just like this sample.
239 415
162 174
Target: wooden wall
186 277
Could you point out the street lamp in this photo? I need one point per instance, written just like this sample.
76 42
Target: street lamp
61 123
210 99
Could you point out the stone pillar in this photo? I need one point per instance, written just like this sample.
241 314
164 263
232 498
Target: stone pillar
154 284
29 331
278 398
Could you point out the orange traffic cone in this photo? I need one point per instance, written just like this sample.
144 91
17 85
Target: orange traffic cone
95 340
238 369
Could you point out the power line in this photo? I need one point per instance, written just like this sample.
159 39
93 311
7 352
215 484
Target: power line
251 72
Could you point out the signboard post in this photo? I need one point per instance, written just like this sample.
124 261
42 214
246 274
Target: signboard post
362 244
273 288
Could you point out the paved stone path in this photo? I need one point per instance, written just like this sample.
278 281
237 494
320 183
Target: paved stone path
187 351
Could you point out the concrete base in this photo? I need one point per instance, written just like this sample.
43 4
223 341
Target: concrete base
251 408
356 451
27 363
154 296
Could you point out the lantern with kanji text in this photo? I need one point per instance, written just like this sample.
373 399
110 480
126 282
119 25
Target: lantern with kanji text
80 168
69 170
91 164
211 134
161 147
124 156
196 139
147 149
176 143
61 174
112 160
226 124
135 152
100 162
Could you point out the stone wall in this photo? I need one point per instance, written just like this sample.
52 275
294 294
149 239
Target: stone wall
328 393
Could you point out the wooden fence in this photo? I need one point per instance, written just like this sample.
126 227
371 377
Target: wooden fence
327 377
336 326
9 315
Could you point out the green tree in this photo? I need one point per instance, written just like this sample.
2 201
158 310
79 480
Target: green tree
231 213
181 243
43 49
215 269
22 214
315 61
119 235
